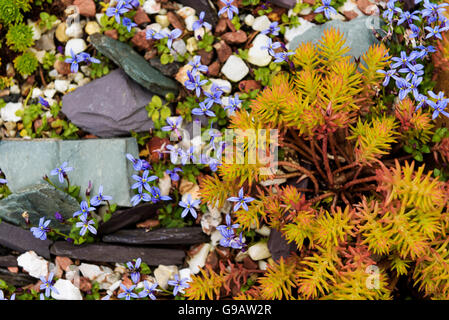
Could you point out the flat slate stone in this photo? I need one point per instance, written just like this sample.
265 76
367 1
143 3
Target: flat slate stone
101 161
8 261
134 65
111 106
16 279
101 252
22 240
172 236
128 217
359 34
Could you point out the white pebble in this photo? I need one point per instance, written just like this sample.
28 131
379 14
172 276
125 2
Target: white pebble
235 69
261 23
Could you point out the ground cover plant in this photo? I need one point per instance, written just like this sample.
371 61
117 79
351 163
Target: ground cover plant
343 195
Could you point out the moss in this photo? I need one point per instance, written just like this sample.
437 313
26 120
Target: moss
20 37
26 64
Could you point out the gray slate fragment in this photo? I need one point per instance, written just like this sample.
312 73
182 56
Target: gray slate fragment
289 4
172 236
8 261
358 32
169 69
134 65
101 252
111 106
16 279
101 161
22 240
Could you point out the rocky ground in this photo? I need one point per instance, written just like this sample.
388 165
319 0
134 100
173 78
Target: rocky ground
110 100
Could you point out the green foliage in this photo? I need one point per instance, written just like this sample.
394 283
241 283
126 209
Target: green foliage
47 20
20 37
26 63
206 42
48 61
10 12
158 111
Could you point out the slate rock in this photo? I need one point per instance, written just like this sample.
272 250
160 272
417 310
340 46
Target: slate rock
278 245
358 32
202 5
101 252
172 236
134 65
22 240
128 217
110 106
101 161
169 69
289 4
16 279
8 261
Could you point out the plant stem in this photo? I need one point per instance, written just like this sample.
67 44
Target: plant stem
330 177
363 180
303 170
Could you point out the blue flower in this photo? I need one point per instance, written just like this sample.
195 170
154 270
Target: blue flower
432 10
434 32
228 227
404 88
142 182
413 84
148 291
412 70
172 36
156 195
409 17
135 200
189 206
273 29
388 74
438 107
85 209
127 293
3 181
415 31
391 11
61 172
174 173
241 201
2 296
85 57
326 8
150 34
194 83
230 240
43 102
135 269
96 201
117 11
228 8
201 23
214 96
234 103
187 155
74 61
41 231
271 46
137 163
197 66
402 60
422 99
129 24
86 225
178 284
173 125
203 110
175 152
47 285
282 56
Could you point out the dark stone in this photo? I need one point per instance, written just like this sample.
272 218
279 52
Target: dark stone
289 4
183 236
101 252
109 106
278 246
8 261
13 97
134 65
169 69
16 279
202 5
22 240
38 201
129 217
